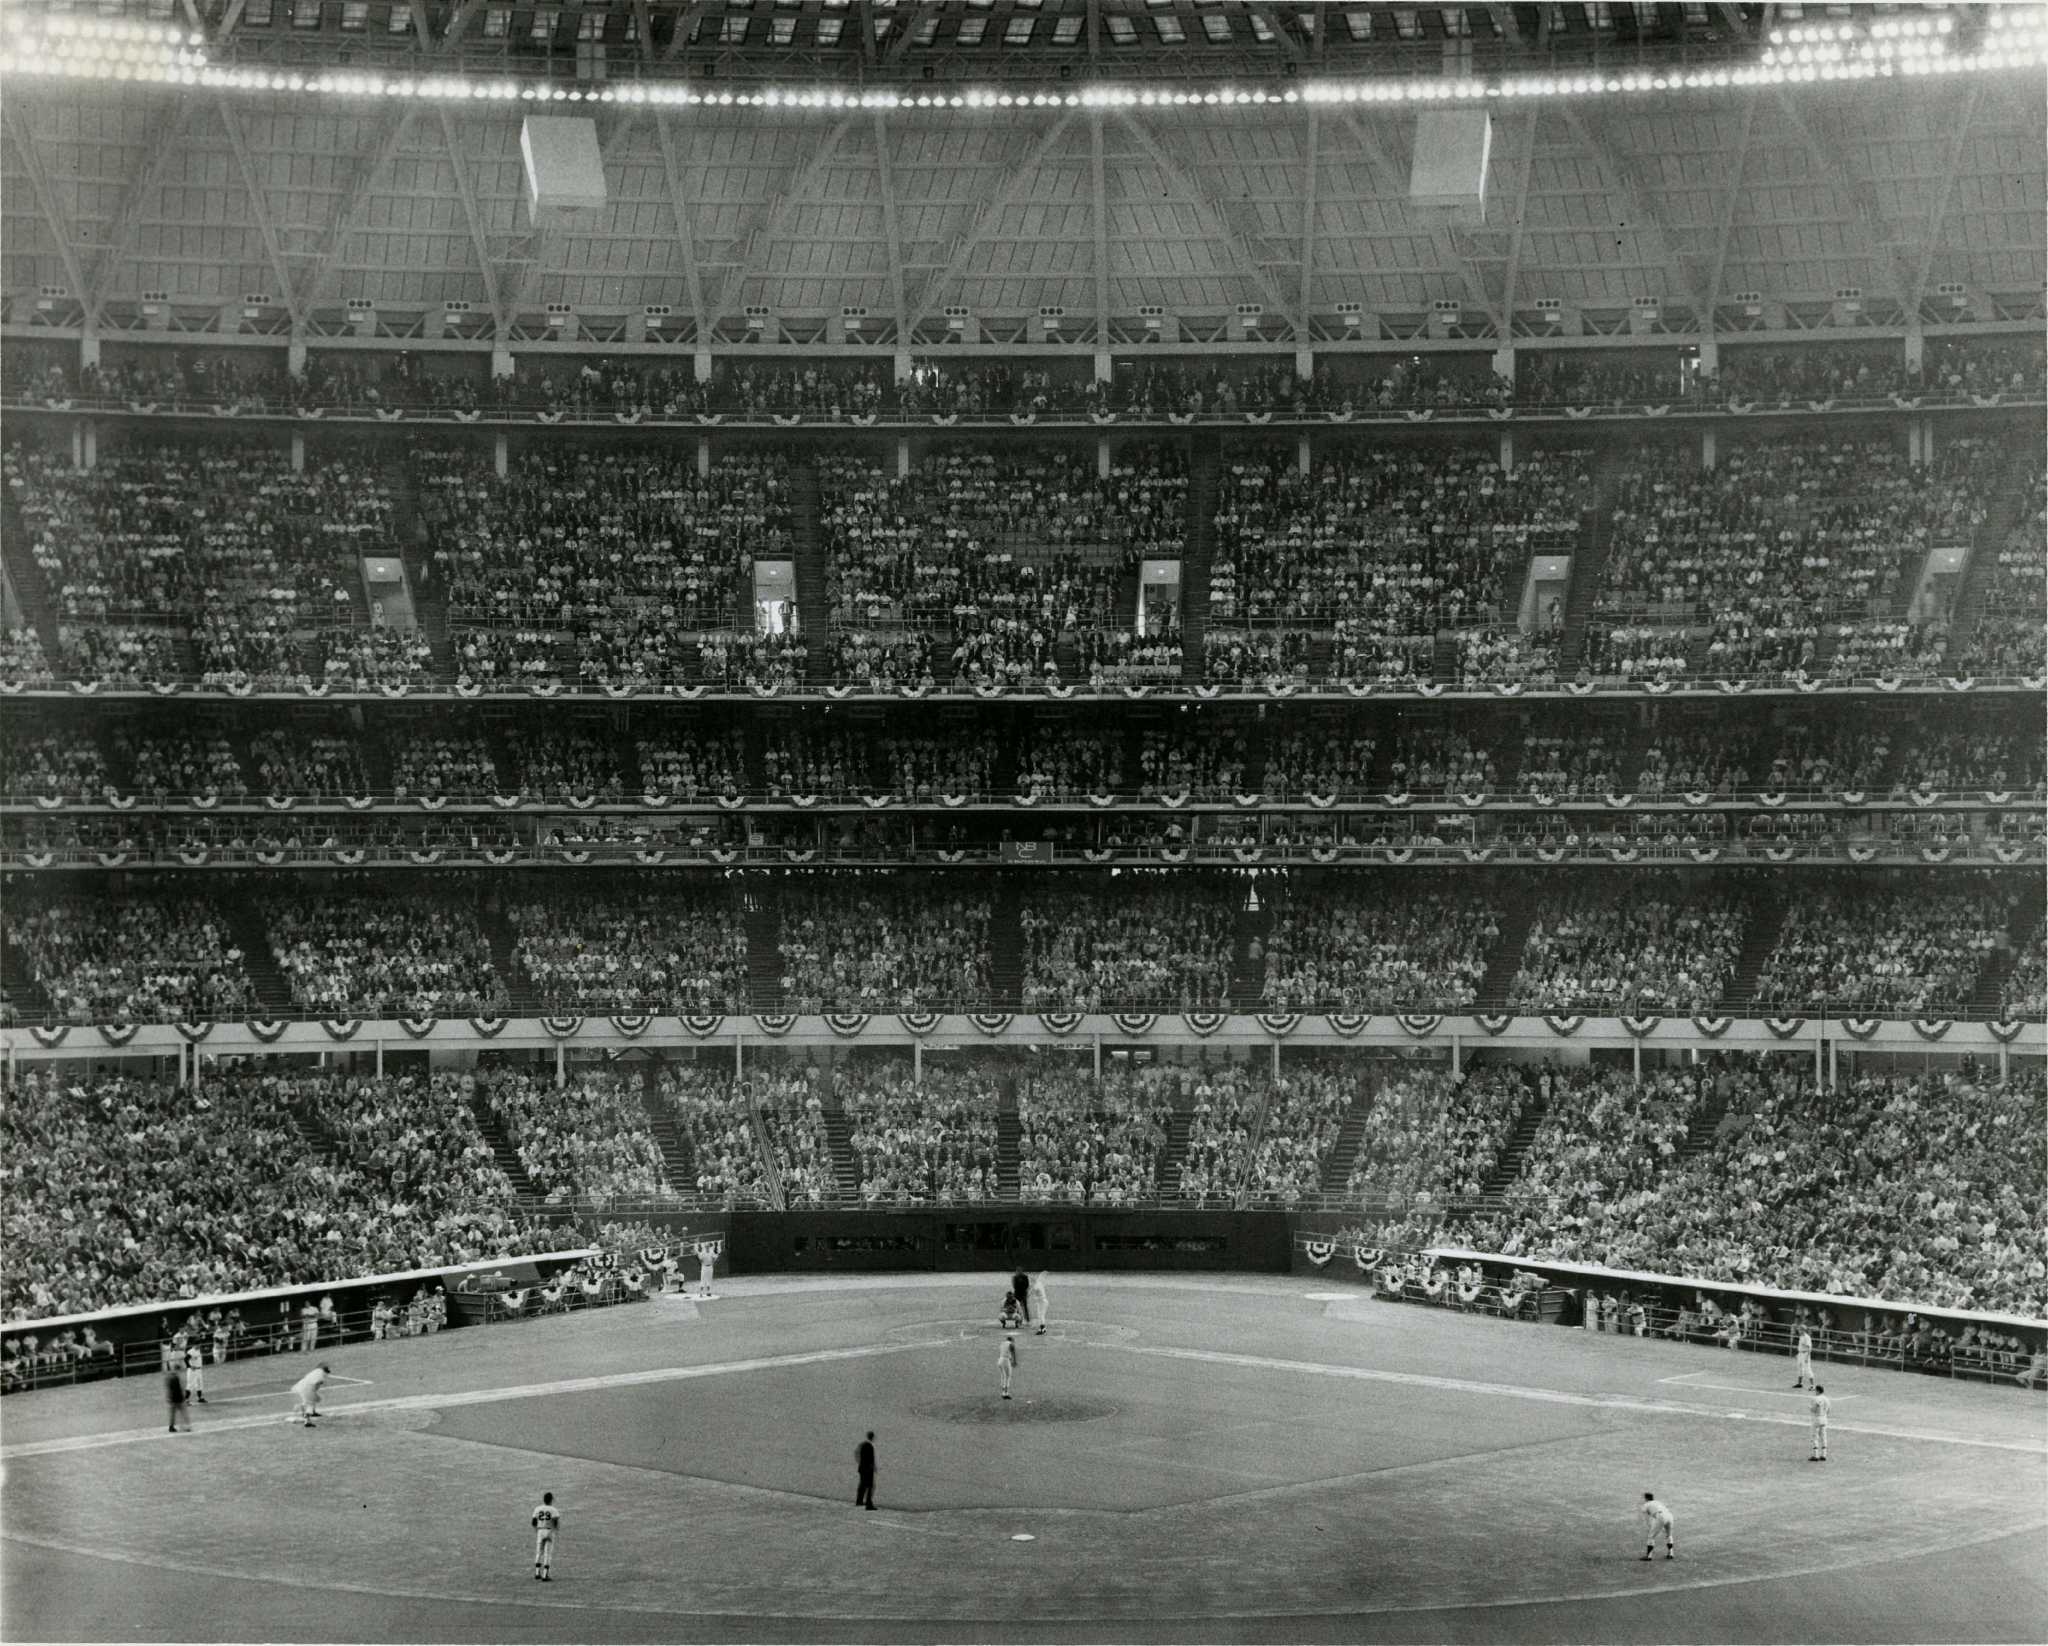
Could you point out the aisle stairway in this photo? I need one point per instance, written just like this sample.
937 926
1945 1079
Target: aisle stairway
1205 479
501 1148
525 1003
1006 945
429 601
2000 521
2022 930
1519 900
1705 1121
1009 1146
677 1165
814 615
1343 1155
845 1167
1508 1166
1766 921
18 986
764 960
320 1143
1589 561
1177 1130
26 577
273 991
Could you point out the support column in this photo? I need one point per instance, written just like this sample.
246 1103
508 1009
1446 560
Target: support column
701 363
917 1062
1504 361
1276 1061
1105 367
1305 365
295 355
1926 439
298 452
501 455
89 348
1457 1055
1507 451
1834 1063
1098 1060
703 456
2004 1061
1102 457
902 365
561 1064
380 1059
1709 451
1304 458
1916 348
1637 1048
78 444
501 361
739 1057
92 445
902 457
1818 1068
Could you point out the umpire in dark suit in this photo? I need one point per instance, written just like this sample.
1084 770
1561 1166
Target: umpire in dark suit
864 1460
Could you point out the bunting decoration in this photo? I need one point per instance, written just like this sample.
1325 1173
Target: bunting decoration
53 1035
1493 1022
1061 1023
1966 684
1566 1023
1134 1023
702 1024
499 856
1347 1024
1862 1028
489 1027
775 1024
1641 1027
1322 802
118 1034
990 1022
1712 1025
1932 1028
418 1027
562 1027
918 1023
1420 1023
2006 1029
1203 1023
266 1029
847 1024
1319 1252
1279 1024
1785 1027
631 1024
341 1028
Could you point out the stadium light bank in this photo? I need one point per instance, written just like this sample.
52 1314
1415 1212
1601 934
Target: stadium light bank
71 48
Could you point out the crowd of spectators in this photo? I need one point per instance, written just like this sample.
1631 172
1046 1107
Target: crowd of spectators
2011 636
228 541
54 765
925 1142
712 1117
145 956
163 765
585 1140
437 766
793 1118
1397 542
1341 946
1037 541
883 944
1084 1142
1125 944
1917 1189
23 662
1879 948
603 561
390 955
124 1192
680 763
309 765
1432 1137
633 946
1306 762
1304 1110
1649 944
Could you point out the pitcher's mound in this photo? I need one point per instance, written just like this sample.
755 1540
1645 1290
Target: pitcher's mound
995 1409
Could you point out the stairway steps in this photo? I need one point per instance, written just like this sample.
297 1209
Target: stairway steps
1178 1129
1589 563
845 1167
1759 938
1343 1155
502 1151
814 613
30 589
1205 482
676 1161
1518 915
2000 522
1009 1155
253 939
1706 1120
1508 1166
1006 943
525 1001
764 959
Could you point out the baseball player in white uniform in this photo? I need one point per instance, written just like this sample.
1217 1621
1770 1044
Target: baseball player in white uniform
195 1373
1659 1519
1818 1408
1805 1378
1038 1301
306 1394
547 1521
1006 1361
707 1260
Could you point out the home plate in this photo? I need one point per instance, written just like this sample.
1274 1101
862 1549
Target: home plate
1022 1537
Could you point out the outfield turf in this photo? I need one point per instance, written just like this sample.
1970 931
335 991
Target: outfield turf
1237 1459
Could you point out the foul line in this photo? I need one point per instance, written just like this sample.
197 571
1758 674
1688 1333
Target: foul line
1687 1379
1560 1397
478 1397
